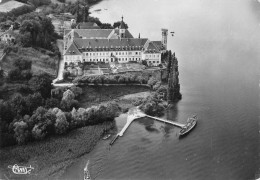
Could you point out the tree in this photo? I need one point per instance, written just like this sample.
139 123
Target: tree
21 132
162 92
1 73
151 82
61 125
6 112
173 91
170 89
106 26
68 95
26 74
33 101
77 91
47 31
41 83
18 104
14 74
157 85
69 105
24 39
42 121
78 117
65 74
21 70
169 64
152 106
144 63
39 131
24 89
52 103
31 26
39 27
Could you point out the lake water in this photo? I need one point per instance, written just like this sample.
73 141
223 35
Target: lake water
218 47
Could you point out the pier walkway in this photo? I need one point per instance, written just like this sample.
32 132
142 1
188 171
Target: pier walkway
136 113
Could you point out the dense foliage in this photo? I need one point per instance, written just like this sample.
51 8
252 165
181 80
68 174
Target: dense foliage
31 117
127 78
154 104
36 30
21 70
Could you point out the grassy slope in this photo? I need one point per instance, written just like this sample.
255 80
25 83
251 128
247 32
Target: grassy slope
51 156
7 6
40 61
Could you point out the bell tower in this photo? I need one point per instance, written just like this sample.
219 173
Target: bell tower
164 38
122 29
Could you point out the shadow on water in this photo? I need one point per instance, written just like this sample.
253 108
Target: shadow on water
149 125
170 114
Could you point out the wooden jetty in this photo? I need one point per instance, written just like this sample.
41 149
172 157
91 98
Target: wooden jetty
136 113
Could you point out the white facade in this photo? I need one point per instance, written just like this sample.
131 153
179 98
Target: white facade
106 56
6 37
153 59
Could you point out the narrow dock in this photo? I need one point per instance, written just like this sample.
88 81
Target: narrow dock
136 113
180 125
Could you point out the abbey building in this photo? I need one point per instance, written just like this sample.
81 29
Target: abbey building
89 43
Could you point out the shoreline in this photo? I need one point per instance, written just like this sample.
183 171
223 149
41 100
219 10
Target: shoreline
50 157
53 155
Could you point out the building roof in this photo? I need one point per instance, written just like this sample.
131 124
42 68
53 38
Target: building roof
151 48
127 33
158 44
72 50
88 25
92 33
67 24
97 33
109 44
67 31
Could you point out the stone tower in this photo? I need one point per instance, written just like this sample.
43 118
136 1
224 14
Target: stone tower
164 38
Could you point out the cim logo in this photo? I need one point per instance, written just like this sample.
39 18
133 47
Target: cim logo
21 169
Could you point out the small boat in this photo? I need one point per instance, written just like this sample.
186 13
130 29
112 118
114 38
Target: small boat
86 172
106 136
191 122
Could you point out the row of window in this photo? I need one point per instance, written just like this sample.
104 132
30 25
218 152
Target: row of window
130 59
72 57
8 35
147 56
154 62
113 53
119 59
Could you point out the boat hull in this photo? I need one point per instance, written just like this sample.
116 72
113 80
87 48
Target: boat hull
186 129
